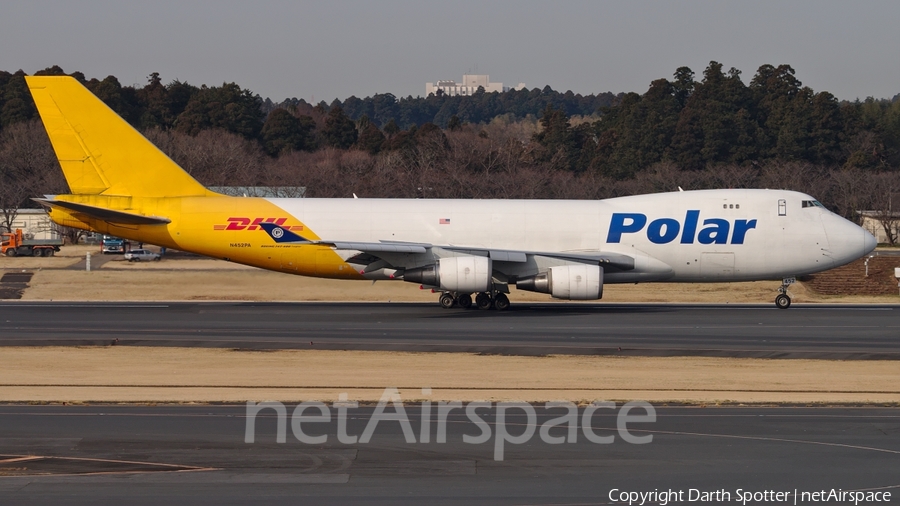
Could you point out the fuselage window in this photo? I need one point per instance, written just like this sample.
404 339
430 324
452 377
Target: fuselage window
782 207
812 203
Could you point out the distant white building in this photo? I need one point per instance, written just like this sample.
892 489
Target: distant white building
873 222
35 224
469 85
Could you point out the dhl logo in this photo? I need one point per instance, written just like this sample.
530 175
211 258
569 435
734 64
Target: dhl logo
238 223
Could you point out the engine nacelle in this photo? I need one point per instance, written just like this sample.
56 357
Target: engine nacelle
572 282
468 274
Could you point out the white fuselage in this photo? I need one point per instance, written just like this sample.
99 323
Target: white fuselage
708 235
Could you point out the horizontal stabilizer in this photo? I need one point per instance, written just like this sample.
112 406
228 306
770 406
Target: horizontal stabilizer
104 214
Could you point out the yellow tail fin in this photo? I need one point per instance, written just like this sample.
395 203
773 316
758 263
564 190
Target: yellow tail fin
100 153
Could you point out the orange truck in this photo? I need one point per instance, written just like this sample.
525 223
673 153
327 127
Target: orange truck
15 244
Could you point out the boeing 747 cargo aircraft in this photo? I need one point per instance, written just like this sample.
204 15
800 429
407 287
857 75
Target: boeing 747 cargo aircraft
122 185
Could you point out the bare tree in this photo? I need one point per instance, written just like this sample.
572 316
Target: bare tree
885 188
28 168
733 176
213 157
69 234
849 192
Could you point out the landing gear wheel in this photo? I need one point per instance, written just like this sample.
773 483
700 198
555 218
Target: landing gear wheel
464 301
483 301
782 301
447 301
501 302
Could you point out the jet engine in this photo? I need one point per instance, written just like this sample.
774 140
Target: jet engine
468 274
573 282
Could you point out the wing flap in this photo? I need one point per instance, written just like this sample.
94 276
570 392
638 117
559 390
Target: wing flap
617 260
378 247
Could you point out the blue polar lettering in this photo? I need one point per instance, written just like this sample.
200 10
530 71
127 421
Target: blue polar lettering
665 230
690 227
740 230
617 226
716 234
655 230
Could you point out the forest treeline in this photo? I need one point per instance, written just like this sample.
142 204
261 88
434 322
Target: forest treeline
712 130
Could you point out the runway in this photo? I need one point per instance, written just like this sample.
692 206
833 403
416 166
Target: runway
803 331
198 455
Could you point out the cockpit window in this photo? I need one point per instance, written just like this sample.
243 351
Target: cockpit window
812 203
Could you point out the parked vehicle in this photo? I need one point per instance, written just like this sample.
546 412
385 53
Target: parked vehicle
139 255
15 244
112 245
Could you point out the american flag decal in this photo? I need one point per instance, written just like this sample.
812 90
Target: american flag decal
444 221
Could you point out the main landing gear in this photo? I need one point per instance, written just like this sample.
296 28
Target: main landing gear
783 300
483 300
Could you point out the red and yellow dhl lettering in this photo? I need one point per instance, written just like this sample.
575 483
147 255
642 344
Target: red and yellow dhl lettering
240 223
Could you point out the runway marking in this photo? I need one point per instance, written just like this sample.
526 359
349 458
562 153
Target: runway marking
256 331
512 389
603 348
463 419
365 326
19 459
777 440
231 306
734 436
171 468
77 305
798 307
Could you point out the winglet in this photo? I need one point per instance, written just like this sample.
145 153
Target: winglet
281 235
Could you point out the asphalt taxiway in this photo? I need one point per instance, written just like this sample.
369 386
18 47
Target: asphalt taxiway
138 454
803 331
198 455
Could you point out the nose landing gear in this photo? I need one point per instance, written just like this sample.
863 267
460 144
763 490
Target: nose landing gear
783 300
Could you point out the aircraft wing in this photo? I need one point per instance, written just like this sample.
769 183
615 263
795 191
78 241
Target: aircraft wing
280 235
617 260
384 249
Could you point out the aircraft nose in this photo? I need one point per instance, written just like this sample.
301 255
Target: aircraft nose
869 241
847 240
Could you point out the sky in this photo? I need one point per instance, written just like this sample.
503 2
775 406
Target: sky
326 50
